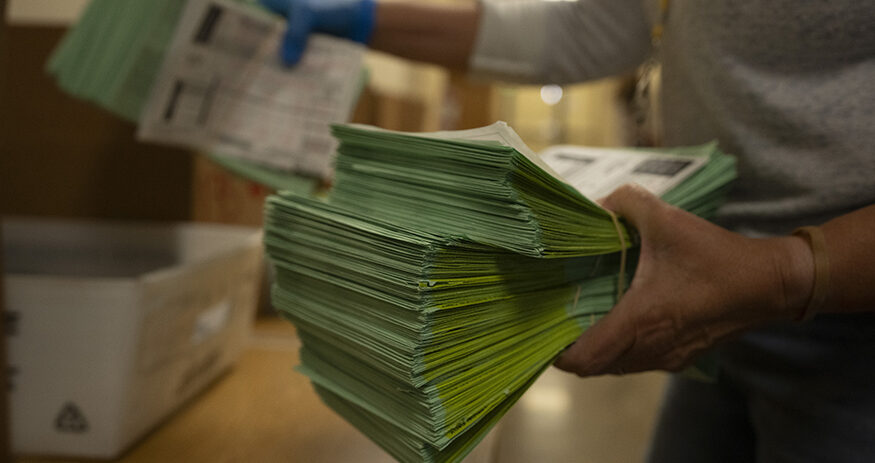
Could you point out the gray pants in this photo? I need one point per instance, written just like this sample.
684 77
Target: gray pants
789 393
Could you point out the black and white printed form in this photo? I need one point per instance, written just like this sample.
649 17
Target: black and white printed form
222 89
597 172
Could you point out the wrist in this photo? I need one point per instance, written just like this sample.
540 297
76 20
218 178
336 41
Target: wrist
795 266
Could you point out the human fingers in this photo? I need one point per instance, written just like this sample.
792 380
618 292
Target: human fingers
295 38
678 353
298 29
642 334
600 345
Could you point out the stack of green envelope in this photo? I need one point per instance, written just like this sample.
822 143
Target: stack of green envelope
485 185
443 274
423 341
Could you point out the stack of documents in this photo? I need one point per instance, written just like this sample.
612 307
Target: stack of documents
487 186
445 272
423 341
205 74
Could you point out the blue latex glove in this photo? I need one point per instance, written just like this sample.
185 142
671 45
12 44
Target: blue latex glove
349 19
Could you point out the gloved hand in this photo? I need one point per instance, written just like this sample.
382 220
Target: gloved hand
349 19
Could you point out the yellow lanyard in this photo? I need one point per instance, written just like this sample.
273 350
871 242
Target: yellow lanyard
641 99
659 25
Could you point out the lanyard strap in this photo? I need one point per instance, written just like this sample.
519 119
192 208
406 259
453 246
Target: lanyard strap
659 25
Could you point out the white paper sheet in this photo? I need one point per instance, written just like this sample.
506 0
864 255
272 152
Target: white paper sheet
596 172
222 89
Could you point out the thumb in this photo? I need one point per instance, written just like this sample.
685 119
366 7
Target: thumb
295 37
632 202
294 43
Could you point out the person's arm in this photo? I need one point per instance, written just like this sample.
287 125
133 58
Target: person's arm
850 248
559 42
531 41
697 283
442 34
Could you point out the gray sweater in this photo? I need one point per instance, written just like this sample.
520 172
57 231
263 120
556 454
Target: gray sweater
787 86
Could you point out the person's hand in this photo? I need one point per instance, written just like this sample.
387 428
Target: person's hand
695 284
349 19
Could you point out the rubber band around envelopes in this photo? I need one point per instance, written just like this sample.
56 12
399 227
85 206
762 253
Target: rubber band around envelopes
621 276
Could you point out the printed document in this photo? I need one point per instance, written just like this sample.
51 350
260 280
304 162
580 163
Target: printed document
597 172
222 89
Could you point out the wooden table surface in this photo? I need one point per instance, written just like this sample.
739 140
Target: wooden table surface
263 411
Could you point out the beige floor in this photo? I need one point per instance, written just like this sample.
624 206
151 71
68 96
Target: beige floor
262 411
563 418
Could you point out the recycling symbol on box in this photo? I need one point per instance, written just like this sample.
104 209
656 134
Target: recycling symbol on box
71 419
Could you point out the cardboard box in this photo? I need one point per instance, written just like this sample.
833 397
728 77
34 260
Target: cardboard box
113 326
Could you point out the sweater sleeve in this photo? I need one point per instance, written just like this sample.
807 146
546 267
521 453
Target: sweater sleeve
550 41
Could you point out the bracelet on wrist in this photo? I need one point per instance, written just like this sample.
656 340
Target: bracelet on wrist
820 288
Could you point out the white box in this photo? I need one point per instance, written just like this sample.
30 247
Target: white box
112 326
